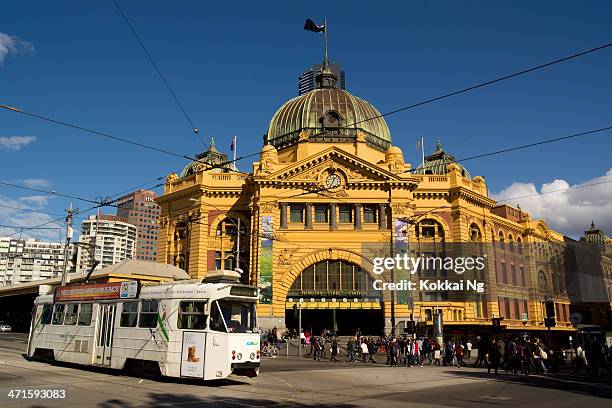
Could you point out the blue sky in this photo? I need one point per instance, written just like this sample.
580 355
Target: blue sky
232 64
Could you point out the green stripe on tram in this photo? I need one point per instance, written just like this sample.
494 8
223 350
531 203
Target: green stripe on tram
161 326
39 320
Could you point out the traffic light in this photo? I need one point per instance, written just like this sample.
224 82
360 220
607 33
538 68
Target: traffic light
410 327
496 322
550 322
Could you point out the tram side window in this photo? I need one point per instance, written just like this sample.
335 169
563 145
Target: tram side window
72 310
58 314
191 315
216 319
129 314
85 314
148 314
47 312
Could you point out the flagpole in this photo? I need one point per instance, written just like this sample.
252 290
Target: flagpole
423 151
235 148
325 36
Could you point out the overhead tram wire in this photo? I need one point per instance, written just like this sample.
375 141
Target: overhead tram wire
427 101
519 147
483 84
118 139
102 203
27 210
163 78
52 193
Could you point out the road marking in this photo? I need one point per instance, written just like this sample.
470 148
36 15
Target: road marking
496 397
283 381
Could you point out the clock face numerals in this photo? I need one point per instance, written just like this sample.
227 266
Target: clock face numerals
333 181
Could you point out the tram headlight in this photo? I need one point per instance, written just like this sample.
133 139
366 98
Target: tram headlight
233 354
258 351
239 356
252 356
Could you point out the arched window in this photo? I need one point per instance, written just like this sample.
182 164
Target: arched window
502 241
519 242
429 229
542 281
181 245
475 234
511 242
333 278
229 227
331 119
231 247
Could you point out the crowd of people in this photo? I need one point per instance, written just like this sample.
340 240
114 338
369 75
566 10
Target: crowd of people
511 354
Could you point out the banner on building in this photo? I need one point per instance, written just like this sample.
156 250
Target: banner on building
266 260
400 246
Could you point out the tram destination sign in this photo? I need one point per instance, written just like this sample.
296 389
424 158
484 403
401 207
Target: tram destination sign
98 291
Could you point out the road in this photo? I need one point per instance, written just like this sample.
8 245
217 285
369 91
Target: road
294 382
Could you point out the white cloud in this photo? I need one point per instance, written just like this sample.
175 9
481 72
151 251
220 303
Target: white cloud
37 200
17 218
13 45
35 183
567 211
15 142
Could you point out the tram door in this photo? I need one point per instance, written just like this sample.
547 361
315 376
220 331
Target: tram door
105 329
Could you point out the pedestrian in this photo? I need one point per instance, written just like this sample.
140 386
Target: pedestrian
364 349
334 350
494 357
437 354
316 344
468 348
323 343
459 354
393 350
350 350
371 349
483 350
416 353
580 361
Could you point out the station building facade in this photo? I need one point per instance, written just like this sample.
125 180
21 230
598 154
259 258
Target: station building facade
328 192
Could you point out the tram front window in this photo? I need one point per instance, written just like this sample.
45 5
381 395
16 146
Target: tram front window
238 317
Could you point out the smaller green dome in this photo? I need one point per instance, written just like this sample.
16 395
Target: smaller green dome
212 157
437 162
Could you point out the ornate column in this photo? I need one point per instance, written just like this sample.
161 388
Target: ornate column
283 216
382 216
332 215
308 216
357 216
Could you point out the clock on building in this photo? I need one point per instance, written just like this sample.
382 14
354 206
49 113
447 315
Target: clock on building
333 181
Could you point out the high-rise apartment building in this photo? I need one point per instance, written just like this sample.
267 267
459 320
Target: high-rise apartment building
308 80
114 239
25 260
140 209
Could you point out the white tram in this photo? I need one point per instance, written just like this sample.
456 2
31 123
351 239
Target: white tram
180 329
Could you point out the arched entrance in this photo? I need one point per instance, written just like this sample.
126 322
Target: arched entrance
336 295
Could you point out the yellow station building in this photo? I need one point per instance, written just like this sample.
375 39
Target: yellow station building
328 189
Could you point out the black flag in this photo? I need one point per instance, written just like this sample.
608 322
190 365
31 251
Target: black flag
311 26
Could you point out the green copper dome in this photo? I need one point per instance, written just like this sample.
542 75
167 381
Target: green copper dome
436 163
330 115
211 157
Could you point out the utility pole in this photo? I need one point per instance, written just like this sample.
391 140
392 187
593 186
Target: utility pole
69 232
238 268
